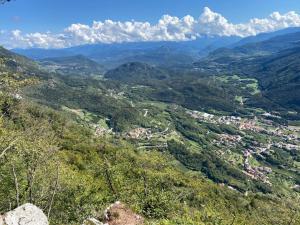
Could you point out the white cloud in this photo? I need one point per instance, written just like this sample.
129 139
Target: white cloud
38 40
168 28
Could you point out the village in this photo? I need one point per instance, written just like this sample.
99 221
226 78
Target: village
289 135
275 137
255 172
279 136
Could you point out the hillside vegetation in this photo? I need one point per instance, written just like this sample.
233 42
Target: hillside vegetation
216 143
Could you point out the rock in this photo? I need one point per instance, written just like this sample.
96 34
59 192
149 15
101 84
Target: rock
27 214
119 214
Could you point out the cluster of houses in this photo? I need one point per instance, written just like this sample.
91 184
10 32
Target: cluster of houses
114 94
241 124
284 132
257 173
290 139
228 140
229 120
201 116
139 133
250 125
287 146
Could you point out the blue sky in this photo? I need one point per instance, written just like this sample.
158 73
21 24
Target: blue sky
63 23
54 15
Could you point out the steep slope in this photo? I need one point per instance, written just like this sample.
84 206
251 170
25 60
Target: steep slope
17 63
279 76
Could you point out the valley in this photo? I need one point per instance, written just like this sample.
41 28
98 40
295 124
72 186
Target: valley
256 144
198 140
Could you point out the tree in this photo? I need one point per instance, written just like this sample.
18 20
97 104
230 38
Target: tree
29 169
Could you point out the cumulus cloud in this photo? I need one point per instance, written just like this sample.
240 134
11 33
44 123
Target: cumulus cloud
16 39
168 28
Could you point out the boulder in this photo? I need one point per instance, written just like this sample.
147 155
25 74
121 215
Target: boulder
27 214
120 214
117 214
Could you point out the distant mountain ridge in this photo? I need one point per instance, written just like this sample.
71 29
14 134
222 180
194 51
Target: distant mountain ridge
163 53
266 47
265 36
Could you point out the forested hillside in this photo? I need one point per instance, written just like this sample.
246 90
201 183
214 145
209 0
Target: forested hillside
73 145
273 62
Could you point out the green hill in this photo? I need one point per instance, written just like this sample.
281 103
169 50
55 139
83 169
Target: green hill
136 72
72 65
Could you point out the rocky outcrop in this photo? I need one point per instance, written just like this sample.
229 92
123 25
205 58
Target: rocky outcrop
117 214
27 214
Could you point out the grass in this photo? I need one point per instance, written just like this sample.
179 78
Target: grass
194 147
78 112
82 114
244 83
254 87
103 124
237 158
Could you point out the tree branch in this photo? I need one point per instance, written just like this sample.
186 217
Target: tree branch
8 148
54 192
16 185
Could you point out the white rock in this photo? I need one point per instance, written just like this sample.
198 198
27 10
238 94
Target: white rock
27 214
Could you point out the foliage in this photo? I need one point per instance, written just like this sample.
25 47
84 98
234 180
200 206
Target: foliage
49 159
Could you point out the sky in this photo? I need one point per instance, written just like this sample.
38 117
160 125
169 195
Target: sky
65 23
